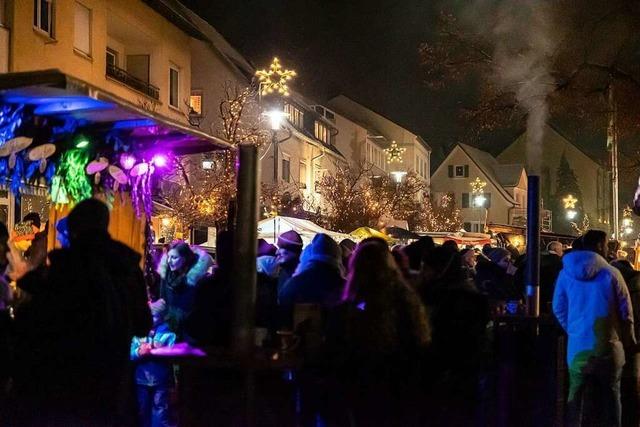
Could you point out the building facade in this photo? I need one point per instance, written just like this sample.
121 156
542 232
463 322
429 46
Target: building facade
591 176
503 196
380 133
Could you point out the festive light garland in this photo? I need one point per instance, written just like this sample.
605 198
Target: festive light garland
275 79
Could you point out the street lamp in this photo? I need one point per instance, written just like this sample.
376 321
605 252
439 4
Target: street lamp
276 118
398 176
479 199
571 214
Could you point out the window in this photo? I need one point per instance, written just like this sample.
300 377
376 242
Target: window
458 171
2 12
467 226
195 103
321 132
303 175
465 200
113 58
295 115
329 115
174 82
82 29
43 15
286 170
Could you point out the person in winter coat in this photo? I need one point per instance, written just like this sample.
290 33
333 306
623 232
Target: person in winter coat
288 255
154 379
592 303
209 324
74 333
180 269
496 277
376 338
318 277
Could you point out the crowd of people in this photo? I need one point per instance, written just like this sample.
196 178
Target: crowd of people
382 327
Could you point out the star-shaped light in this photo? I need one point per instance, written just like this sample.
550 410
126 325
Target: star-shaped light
478 185
394 153
275 79
570 202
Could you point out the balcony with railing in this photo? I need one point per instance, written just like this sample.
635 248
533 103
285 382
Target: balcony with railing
518 217
133 82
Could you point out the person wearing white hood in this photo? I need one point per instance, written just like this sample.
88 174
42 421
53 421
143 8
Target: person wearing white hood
592 303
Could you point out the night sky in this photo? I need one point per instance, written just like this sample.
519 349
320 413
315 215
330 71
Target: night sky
367 50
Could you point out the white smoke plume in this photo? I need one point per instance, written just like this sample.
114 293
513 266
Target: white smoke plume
524 40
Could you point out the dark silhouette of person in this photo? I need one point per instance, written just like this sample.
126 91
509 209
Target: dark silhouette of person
74 334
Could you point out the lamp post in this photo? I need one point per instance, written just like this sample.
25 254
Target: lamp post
478 197
275 81
275 120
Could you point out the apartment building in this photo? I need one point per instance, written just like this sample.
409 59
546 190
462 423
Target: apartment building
380 134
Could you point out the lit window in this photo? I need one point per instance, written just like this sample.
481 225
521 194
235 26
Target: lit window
295 115
174 82
195 103
321 132
43 15
82 29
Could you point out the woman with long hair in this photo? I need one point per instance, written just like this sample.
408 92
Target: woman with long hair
180 270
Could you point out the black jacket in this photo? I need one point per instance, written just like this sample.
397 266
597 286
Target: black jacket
74 333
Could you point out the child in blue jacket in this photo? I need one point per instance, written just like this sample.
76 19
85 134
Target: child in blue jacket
154 379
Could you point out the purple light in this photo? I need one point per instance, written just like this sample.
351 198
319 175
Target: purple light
127 161
160 160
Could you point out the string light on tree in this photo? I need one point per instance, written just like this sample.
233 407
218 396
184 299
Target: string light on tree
275 79
394 153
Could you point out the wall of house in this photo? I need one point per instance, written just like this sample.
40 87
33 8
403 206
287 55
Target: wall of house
441 184
133 25
589 174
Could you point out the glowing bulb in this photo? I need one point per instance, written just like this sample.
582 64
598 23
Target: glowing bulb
82 143
571 214
160 160
127 161
275 118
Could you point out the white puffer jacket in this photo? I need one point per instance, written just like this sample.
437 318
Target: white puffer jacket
592 303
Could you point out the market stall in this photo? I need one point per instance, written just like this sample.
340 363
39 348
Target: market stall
362 233
270 228
75 141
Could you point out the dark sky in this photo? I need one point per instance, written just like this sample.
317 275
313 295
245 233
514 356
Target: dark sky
367 50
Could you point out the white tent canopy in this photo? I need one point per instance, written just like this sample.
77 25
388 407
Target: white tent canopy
269 229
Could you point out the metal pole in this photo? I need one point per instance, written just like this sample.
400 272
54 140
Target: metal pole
274 142
245 248
533 245
612 145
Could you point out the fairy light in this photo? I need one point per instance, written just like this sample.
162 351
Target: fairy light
275 79
394 153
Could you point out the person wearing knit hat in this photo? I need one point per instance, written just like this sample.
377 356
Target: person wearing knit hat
288 255
319 276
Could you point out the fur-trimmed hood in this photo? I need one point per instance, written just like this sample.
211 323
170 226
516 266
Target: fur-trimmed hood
196 272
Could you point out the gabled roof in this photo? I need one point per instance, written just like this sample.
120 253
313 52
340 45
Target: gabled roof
500 176
333 104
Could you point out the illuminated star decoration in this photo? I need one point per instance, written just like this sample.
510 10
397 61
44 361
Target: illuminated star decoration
275 79
570 202
477 186
394 153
